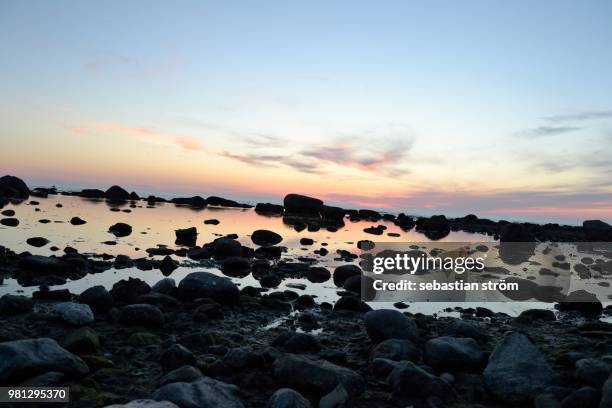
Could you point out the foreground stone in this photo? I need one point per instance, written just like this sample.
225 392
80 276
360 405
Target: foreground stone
389 324
318 376
144 403
76 314
207 285
23 359
13 187
453 354
288 398
410 381
204 393
141 315
517 371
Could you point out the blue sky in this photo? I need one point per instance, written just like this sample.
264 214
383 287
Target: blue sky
445 106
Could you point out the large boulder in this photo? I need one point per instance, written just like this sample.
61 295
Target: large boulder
300 204
141 315
120 229
207 285
606 394
317 376
596 230
396 350
22 359
225 247
76 314
15 304
408 380
116 193
517 371
386 324
343 272
453 354
13 187
203 393
129 290
97 297
288 398
265 238
186 237
269 209
186 373
144 403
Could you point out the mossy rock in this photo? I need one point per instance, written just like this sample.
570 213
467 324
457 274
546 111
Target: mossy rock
82 341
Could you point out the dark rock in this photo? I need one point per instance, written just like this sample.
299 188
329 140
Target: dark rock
236 266
176 356
582 302
338 398
299 204
91 193
223 247
98 298
294 342
141 315
265 238
408 381
208 311
120 229
82 341
13 187
453 354
516 233
596 230
242 357
606 394
167 286
116 193
8 213
353 284
351 303
269 209
396 350
9 222
211 222
185 373
196 201
77 221
37 242
52 295
517 371
287 398
207 285
203 393
306 241
11 305
593 371
318 274
128 290
386 324
167 265
76 314
343 272
186 237
585 397
22 359
224 202
531 315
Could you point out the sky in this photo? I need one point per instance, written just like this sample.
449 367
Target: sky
502 109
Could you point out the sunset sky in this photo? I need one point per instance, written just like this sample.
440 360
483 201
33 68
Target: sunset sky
502 109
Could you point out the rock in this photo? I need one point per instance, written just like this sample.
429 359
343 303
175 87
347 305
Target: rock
396 350
241 357
167 265
144 403
129 290
353 284
453 354
269 209
208 311
352 303
186 237
516 233
76 314
120 229
22 359
141 315
11 305
226 247
166 286
517 371
62 295
185 373
8 213
13 187
593 371
141 339
300 204
338 398
176 356
318 274
195 201
37 242
203 393
207 285
116 193
546 400
294 342
582 398
50 379
317 376
77 221
265 238
596 230
212 221
386 324
9 222
236 266
331 214
342 273
435 227
583 302
287 398
407 380
531 315
224 202
82 341
606 394
306 241
98 298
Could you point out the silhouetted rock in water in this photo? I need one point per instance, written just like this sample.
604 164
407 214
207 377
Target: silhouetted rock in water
14 188
369 215
265 238
207 285
195 201
224 247
318 274
11 305
167 265
236 266
224 202
530 316
306 241
516 233
378 230
596 230
42 192
343 272
9 222
98 298
333 215
128 290
583 302
517 371
186 237
120 229
436 227
92 193
387 324
77 221
269 209
52 295
405 222
37 242
302 205
154 199
116 193
8 213
211 222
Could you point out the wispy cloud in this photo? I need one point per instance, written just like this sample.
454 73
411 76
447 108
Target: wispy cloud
258 160
543 131
579 116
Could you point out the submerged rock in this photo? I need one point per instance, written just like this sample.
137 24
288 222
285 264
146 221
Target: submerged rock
120 229
186 237
300 204
37 242
265 238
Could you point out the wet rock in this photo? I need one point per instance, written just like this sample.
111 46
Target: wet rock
396 350
593 371
338 398
582 398
167 265
386 324
242 357
166 286
435 227
128 290
141 315
91 193
82 341
517 371
546 400
583 302
353 284
185 373
265 238
45 293
408 380
9 222
352 303
318 274
287 398
211 222
98 298
176 356
203 393
145 403
300 204
378 230
516 233
120 229
50 379
306 241
333 215
208 311
13 187
343 272
11 305
317 376
37 242
8 213
207 285
224 202
294 342
462 328
76 314
226 247
596 230
77 221
116 193
453 354
186 237
531 315
606 394
269 209
236 266
22 359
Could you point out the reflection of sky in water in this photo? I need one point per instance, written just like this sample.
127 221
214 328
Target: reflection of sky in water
153 226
